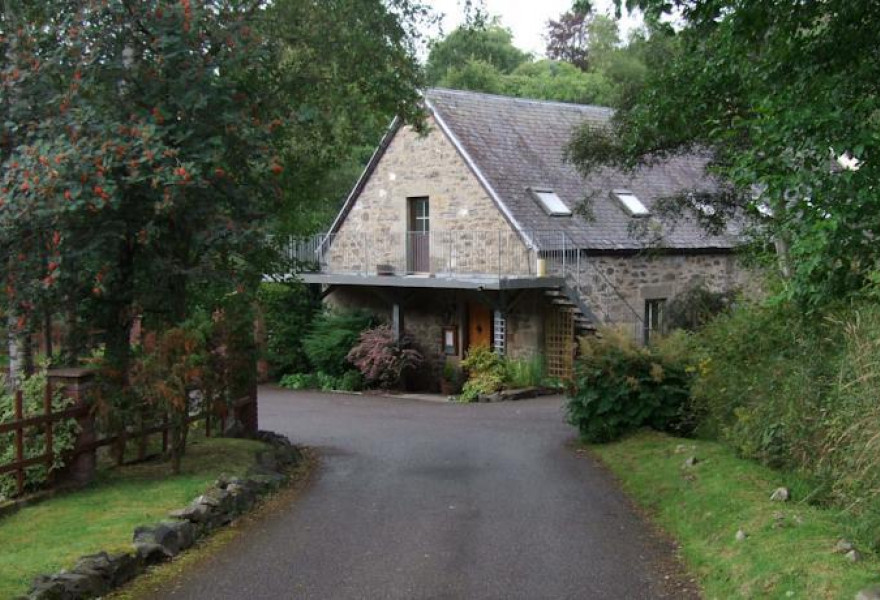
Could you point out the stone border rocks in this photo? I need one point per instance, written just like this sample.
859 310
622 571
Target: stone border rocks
517 394
95 575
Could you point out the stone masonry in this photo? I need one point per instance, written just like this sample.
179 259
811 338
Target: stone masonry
469 232
616 287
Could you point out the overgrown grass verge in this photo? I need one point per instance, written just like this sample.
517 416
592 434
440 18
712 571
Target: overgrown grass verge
789 551
54 533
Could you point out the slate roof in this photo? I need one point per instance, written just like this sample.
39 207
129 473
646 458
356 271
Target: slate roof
518 144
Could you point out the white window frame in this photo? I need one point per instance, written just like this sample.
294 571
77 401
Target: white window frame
551 202
655 309
631 203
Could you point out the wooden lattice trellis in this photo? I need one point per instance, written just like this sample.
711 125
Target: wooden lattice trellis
559 342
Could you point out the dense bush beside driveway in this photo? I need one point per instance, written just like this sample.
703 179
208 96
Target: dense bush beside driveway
287 310
620 385
799 392
330 338
383 361
792 390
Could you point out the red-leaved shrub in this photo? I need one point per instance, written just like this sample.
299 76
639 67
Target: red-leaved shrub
382 361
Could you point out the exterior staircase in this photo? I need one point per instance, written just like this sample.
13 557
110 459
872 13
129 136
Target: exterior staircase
585 321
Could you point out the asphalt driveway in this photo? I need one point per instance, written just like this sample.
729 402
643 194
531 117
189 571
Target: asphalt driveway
416 499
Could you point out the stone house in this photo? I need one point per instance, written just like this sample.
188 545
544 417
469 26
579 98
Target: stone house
472 234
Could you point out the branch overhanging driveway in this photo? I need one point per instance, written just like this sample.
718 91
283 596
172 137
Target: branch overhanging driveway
416 500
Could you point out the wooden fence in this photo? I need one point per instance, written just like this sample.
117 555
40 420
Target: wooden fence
80 461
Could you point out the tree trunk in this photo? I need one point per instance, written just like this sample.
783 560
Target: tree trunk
47 333
14 345
73 342
27 352
783 256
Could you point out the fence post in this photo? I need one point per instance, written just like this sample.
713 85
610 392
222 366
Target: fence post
77 384
47 411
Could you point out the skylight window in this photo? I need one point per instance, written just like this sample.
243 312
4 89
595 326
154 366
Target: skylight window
631 203
552 203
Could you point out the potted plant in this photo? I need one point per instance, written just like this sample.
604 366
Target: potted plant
450 381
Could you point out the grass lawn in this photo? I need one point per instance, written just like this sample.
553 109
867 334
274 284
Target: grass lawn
54 533
789 551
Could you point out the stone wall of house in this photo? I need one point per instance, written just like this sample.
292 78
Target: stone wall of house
617 287
469 234
427 311
525 326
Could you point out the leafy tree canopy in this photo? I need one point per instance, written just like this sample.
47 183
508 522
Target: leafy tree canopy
784 96
587 61
489 43
146 145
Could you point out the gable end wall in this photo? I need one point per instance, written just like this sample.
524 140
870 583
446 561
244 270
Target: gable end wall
374 230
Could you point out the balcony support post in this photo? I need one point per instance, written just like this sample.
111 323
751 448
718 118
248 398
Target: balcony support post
396 321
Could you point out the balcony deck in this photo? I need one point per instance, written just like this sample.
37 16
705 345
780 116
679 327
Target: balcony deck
441 281
474 260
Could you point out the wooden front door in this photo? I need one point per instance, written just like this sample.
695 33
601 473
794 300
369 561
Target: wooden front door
479 325
418 237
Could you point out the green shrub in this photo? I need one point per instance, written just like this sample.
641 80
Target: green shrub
522 373
287 309
352 381
620 386
331 336
485 371
765 374
64 432
326 382
300 381
453 377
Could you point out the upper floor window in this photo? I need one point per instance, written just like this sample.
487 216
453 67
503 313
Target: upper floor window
631 203
551 203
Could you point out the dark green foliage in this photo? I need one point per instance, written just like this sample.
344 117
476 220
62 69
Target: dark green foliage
287 310
620 386
350 67
694 308
799 392
492 46
789 114
761 370
351 381
331 336
484 59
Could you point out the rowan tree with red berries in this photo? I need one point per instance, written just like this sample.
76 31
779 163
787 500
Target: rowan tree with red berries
145 144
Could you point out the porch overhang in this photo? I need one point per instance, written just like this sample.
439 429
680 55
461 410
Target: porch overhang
457 282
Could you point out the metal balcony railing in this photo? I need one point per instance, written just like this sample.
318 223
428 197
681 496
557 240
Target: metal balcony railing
465 254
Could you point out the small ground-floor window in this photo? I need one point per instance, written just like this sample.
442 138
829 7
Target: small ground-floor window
450 341
653 317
